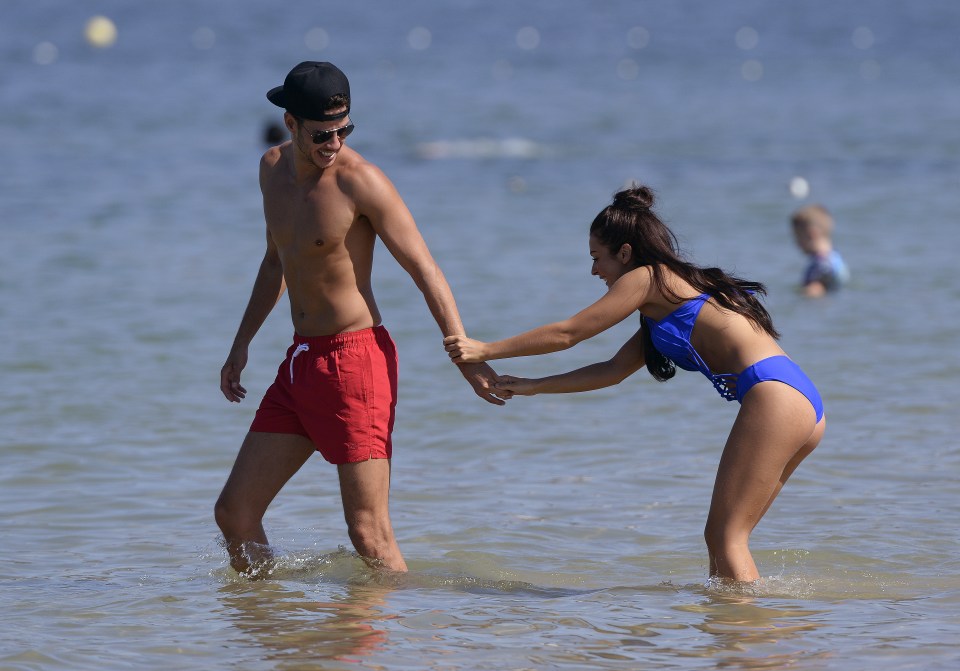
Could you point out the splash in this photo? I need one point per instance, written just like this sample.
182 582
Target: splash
346 567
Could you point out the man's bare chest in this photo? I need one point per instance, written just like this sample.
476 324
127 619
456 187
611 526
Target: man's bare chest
305 222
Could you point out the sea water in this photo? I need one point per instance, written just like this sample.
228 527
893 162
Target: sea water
558 532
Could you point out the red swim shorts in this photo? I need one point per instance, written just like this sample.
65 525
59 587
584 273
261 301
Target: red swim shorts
339 391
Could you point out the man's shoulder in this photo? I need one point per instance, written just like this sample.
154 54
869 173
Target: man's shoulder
272 156
354 171
351 162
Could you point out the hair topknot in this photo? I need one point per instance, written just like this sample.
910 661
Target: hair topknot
635 196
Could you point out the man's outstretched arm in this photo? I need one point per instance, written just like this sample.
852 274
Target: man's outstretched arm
380 202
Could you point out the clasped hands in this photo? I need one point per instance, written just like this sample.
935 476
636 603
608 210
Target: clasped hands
464 350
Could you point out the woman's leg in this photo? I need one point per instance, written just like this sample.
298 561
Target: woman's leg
774 431
801 454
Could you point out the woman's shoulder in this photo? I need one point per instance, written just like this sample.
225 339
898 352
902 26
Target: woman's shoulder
665 296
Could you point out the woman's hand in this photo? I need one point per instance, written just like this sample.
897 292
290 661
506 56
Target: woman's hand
464 350
515 386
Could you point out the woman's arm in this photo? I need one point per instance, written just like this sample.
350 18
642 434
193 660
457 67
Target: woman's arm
628 360
624 297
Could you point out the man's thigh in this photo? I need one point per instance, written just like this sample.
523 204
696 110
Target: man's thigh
265 463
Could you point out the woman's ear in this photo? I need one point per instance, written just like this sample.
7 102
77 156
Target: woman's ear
625 255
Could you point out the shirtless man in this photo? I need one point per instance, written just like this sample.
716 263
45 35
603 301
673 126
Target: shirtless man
335 391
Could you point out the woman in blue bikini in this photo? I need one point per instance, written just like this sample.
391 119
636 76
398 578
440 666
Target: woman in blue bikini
700 319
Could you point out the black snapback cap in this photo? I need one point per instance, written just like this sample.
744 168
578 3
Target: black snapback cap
307 90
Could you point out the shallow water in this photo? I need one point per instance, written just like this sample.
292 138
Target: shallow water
555 533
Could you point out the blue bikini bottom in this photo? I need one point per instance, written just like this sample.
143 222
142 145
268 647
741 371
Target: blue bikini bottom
781 369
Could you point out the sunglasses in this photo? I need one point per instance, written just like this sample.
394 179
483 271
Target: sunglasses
323 136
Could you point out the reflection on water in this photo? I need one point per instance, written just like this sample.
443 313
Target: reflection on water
318 610
281 611
322 610
747 633
308 610
294 626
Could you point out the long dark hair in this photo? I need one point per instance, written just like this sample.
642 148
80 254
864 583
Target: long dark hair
630 220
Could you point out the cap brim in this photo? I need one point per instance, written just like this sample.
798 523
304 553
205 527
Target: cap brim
275 95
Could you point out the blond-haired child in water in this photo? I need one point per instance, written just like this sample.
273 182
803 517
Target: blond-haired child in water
813 231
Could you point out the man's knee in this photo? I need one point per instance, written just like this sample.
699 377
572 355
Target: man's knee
233 519
223 514
369 532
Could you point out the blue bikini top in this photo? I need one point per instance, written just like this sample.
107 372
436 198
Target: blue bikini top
671 337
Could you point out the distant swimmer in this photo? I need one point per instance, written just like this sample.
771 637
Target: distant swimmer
813 232
274 133
698 319
335 393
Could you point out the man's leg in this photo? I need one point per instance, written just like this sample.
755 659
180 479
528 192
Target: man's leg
265 463
365 490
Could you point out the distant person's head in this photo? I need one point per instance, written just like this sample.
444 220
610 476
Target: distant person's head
813 229
274 133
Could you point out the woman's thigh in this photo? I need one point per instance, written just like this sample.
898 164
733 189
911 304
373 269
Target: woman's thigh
774 425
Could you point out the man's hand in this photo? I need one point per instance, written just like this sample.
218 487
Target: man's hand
230 376
483 378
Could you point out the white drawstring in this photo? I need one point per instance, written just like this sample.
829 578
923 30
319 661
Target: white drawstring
302 347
